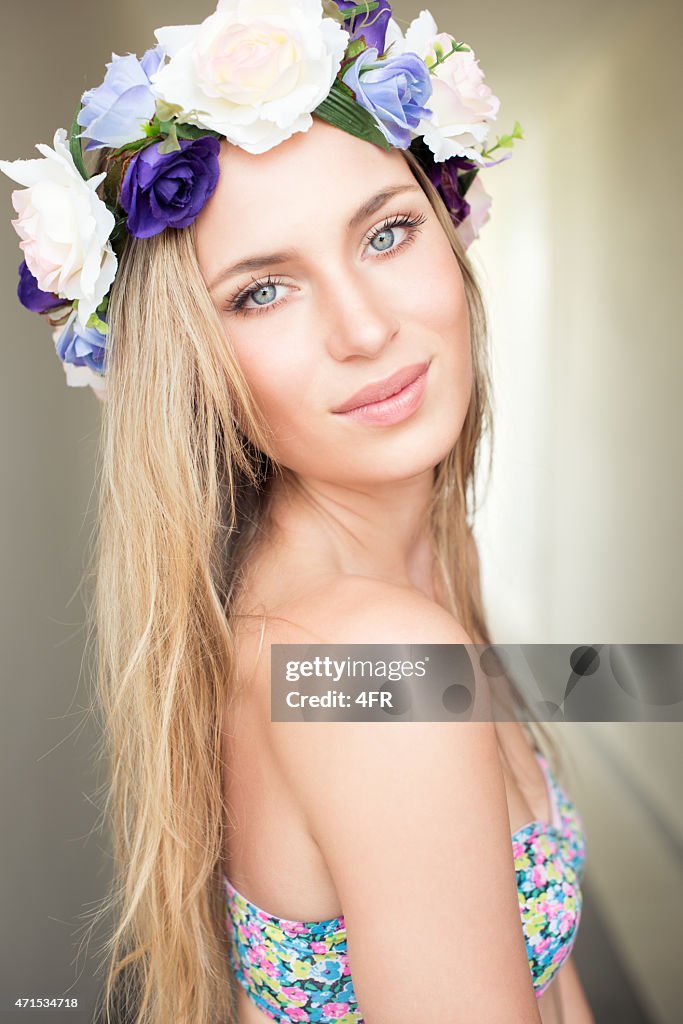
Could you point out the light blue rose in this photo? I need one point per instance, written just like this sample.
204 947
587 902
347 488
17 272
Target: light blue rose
393 90
82 346
113 113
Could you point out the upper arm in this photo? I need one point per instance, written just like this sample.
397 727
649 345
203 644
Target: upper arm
411 818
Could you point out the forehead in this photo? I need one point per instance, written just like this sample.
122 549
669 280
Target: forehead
314 178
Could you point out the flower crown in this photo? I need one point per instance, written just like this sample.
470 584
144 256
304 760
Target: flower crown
253 72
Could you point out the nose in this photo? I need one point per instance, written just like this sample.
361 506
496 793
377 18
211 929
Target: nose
359 317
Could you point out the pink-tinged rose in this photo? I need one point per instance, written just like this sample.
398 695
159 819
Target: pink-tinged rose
462 104
480 203
247 63
253 71
64 226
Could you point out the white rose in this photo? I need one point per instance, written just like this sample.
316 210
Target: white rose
64 226
461 102
83 376
253 70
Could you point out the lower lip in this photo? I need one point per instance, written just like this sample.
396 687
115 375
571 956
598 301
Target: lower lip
394 409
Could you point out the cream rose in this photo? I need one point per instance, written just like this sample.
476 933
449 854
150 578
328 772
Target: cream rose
253 70
64 226
461 102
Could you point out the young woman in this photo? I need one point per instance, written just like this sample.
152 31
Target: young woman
404 830
296 392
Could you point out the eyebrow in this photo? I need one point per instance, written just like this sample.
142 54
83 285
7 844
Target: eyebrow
372 205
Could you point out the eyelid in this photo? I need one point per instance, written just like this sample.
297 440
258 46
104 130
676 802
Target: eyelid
411 221
254 286
407 220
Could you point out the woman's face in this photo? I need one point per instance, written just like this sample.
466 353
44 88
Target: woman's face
331 274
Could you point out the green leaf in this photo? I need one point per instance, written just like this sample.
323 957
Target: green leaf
341 110
505 141
119 233
466 179
342 87
173 131
75 146
170 143
355 47
133 147
152 127
193 131
508 141
115 167
99 325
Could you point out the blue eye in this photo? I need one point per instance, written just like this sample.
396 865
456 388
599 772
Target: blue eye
264 295
261 296
385 238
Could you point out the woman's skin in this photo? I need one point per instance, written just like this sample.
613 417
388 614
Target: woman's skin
349 302
347 316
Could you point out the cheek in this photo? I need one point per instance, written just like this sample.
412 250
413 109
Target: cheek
445 314
277 375
428 285
446 288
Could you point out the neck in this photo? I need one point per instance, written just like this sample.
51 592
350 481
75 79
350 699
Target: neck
379 531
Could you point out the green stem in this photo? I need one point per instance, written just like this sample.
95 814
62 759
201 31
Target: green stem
351 12
456 48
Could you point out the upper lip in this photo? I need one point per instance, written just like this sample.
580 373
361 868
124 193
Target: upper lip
382 389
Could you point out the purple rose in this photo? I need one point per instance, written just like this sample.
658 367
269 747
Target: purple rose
393 90
372 25
33 297
168 190
81 346
445 178
454 180
113 113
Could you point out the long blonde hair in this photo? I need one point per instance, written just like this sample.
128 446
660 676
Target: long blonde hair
184 488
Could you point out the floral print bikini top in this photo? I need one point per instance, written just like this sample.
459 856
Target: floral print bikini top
299 971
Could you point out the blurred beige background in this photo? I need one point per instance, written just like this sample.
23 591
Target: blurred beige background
579 531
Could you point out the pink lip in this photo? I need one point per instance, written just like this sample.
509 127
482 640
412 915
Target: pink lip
384 388
403 398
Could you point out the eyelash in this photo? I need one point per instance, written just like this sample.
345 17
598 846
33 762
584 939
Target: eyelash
238 303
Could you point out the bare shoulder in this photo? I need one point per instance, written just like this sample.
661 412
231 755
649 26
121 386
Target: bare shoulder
411 811
359 609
